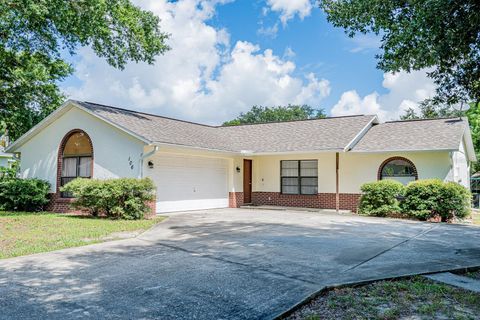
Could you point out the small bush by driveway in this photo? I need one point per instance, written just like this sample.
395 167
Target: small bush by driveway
24 233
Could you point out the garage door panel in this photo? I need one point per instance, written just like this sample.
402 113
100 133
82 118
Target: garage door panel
190 183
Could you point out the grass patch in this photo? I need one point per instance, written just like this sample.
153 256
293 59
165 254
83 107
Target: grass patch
414 298
476 218
26 233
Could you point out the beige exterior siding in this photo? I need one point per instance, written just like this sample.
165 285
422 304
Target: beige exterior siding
358 168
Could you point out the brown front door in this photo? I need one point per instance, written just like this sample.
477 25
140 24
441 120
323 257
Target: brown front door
247 181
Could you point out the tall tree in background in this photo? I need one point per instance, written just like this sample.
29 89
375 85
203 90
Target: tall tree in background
441 35
34 34
473 114
429 111
260 114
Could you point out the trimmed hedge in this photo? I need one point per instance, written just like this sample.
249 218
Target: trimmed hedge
428 199
379 198
421 199
23 194
124 198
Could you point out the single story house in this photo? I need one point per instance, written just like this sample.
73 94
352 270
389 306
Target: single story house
311 163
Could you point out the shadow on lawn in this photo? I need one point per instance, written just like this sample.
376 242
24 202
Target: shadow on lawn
218 269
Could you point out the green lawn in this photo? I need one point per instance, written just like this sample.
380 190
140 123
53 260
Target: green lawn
415 298
27 233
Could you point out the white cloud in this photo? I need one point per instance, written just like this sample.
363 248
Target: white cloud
289 53
405 90
268 31
365 42
203 78
290 8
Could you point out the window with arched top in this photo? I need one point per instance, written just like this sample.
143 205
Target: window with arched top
399 169
77 158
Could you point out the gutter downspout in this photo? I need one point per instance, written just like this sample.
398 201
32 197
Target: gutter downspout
144 156
337 189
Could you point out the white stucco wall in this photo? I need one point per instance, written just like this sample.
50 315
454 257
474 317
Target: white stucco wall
461 167
115 152
358 168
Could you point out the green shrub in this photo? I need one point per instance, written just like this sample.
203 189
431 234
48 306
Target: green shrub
23 194
9 172
124 198
379 198
456 201
425 199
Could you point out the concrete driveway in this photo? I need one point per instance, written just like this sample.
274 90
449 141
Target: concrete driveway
227 264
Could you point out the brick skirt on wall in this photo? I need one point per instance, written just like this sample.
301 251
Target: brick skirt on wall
235 199
348 201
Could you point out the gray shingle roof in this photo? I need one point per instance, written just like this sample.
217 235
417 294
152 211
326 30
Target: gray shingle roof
292 136
413 135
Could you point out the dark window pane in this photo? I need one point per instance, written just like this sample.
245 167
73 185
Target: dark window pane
308 168
309 189
84 167
69 167
289 168
399 170
290 185
309 185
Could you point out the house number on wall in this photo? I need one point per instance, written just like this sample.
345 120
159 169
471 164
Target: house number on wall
130 162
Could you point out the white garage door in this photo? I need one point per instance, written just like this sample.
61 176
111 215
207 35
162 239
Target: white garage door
190 183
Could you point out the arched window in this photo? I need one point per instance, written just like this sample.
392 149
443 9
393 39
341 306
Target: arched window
399 169
77 157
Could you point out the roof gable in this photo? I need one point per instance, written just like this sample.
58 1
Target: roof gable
414 135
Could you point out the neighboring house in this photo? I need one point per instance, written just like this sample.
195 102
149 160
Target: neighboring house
312 163
5 159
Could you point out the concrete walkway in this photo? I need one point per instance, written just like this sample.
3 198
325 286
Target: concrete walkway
456 280
228 263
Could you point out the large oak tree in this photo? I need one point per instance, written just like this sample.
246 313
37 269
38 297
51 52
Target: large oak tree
438 35
260 114
35 36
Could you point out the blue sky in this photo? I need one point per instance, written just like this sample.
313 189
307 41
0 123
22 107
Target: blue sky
229 55
319 47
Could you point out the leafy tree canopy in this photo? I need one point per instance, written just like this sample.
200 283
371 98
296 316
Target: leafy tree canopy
34 34
473 114
441 35
429 111
260 114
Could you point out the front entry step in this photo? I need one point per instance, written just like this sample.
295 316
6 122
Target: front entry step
248 206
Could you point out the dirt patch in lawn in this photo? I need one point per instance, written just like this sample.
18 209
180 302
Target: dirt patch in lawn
415 298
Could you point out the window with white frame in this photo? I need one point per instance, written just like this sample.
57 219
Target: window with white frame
299 176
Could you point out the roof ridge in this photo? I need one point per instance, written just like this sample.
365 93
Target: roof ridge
297 120
219 126
146 113
425 119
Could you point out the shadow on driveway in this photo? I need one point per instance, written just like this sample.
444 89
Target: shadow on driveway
241 264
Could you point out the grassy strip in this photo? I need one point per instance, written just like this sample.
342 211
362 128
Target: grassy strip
26 233
415 298
476 218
